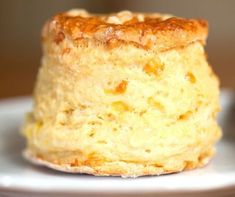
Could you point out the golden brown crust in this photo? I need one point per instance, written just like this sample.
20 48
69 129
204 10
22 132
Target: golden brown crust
151 31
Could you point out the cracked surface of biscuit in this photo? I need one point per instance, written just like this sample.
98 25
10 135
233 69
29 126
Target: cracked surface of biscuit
156 31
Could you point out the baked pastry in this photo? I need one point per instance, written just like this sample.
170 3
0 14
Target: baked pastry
125 94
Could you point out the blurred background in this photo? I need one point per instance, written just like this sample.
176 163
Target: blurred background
21 22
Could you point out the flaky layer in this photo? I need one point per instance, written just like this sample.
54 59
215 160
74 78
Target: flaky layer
115 168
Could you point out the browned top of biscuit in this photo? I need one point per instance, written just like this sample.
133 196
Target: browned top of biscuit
151 31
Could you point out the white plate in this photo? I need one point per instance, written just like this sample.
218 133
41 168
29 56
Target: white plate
18 177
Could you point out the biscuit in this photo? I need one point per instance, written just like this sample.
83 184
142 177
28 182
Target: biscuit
125 94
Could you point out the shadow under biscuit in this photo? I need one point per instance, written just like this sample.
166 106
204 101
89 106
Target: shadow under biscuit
227 115
12 146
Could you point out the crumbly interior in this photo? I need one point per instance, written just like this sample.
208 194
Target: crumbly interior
124 110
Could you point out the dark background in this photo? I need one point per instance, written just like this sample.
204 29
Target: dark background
21 22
